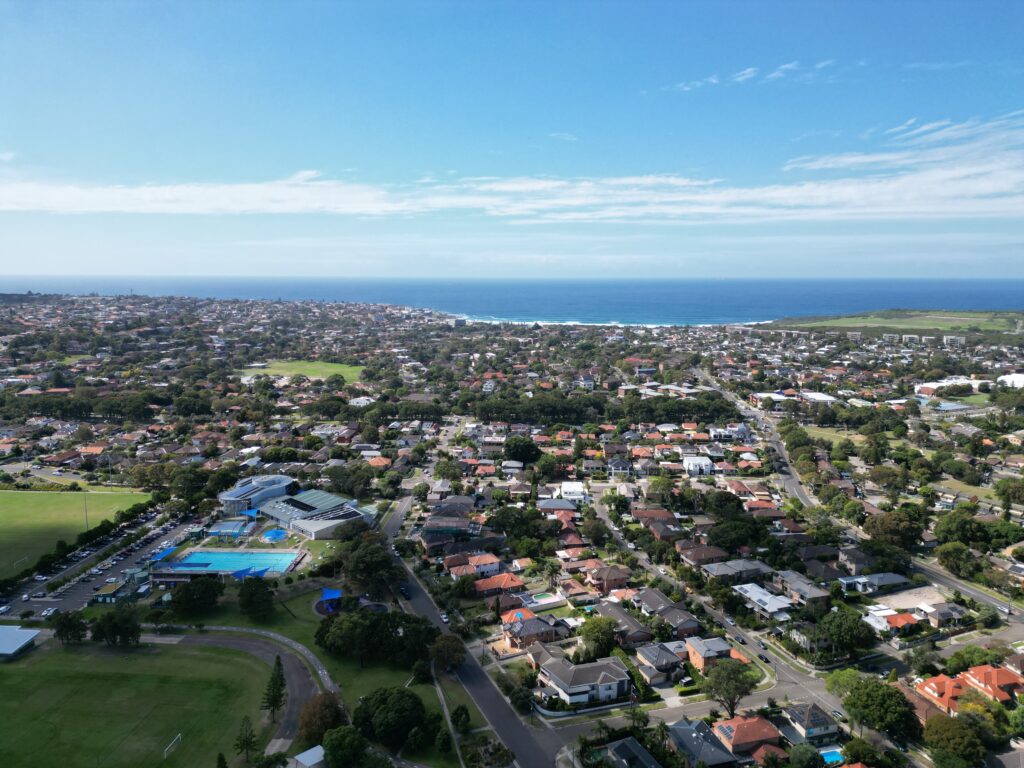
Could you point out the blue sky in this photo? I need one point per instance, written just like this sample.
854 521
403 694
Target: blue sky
512 139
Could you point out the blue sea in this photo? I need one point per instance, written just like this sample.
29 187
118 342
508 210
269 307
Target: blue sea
627 302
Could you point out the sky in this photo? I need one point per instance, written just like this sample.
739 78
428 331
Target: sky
512 139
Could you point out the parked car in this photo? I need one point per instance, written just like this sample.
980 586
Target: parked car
741 640
444 617
764 658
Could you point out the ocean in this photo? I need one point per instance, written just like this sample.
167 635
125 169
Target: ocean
626 302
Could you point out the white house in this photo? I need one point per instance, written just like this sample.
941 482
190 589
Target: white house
575 492
698 465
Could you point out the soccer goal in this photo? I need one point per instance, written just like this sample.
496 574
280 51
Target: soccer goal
172 746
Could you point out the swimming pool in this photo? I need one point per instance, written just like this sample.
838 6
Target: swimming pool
832 756
208 561
275 535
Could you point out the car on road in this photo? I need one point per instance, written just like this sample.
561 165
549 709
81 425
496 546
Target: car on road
761 645
631 545
41 577
444 617
838 715
764 658
730 621
39 595
741 639
111 580
4 609
663 571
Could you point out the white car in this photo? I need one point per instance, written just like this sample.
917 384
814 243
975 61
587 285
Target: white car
111 580
40 577
4 609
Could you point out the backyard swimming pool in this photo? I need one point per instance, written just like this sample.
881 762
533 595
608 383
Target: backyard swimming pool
208 561
832 756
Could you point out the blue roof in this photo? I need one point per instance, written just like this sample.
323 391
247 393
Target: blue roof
162 554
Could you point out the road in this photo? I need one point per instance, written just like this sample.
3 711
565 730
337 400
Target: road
531 746
299 680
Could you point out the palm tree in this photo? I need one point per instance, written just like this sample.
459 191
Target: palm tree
638 718
661 733
601 730
552 569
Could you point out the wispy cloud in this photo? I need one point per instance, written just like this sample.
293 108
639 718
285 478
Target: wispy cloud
783 70
938 170
904 126
692 85
744 74
824 64
935 66
562 136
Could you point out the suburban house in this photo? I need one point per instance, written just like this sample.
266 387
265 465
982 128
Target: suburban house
702 653
697 556
997 683
737 571
503 582
798 587
942 691
653 602
657 664
697 744
742 735
765 604
609 577
811 722
524 632
629 631
873 583
599 681
627 753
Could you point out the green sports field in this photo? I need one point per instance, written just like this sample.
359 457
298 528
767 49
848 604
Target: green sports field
31 522
912 320
89 706
311 369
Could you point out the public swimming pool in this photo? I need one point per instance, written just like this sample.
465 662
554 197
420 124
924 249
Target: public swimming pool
275 534
207 561
832 756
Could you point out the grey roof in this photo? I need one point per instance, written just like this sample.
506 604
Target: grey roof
677 617
628 753
626 622
809 716
710 647
694 740
657 656
13 639
653 600
607 670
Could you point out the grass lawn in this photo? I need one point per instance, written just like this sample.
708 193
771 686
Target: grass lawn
964 488
31 522
977 399
312 369
93 706
933 320
455 695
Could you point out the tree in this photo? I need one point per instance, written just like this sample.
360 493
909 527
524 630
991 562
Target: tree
638 718
973 656
320 714
805 756
443 742
522 699
198 596
273 760
857 750
519 448
659 488
256 599
952 742
881 707
598 632
448 651
344 747
460 718
596 531
956 558
728 682
388 715
118 627
245 742
1010 491
895 527
841 681
69 628
273 694
846 632
222 762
